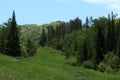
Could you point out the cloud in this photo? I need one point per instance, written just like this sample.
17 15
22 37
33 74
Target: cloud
103 1
115 6
112 4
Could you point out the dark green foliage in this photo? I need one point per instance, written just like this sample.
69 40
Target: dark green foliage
77 24
12 47
117 46
43 38
88 64
13 38
111 32
4 35
87 23
100 38
55 34
0 40
87 46
2 43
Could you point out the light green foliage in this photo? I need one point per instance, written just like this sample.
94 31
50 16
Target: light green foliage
73 45
24 52
110 63
54 24
30 30
28 48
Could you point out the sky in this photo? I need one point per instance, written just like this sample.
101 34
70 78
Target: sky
46 11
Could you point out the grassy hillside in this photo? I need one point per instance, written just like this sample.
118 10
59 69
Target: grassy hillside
46 65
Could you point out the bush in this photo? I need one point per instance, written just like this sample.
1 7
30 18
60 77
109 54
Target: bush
110 63
104 68
32 51
24 52
71 61
88 64
31 48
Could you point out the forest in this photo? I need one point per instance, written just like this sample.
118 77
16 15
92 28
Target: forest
94 44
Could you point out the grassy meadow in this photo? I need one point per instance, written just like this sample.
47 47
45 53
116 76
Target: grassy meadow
48 64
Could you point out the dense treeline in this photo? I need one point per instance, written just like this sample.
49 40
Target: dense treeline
96 44
11 42
55 33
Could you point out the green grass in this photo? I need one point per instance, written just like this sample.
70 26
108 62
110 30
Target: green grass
46 65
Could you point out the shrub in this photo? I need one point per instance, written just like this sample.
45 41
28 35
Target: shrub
88 64
24 52
110 63
104 68
31 48
71 60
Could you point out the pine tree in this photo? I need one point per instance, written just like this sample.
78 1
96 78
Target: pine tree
52 32
99 39
87 22
12 45
43 38
77 24
2 40
117 51
111 32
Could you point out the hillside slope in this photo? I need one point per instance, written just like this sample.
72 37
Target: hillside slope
46 65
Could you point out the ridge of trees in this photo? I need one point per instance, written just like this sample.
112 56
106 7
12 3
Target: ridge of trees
91 45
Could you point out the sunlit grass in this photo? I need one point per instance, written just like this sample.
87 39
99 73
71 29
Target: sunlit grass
46 65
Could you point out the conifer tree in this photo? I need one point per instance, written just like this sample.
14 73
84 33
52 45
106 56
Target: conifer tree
43 38
111 32
12 45
77 24
2 40
87 22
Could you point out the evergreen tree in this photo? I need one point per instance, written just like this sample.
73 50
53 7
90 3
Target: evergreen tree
52 32
91 21
43 38
12 45
111 32
48 34
77 24
87 22
100 37
2 40
117 51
